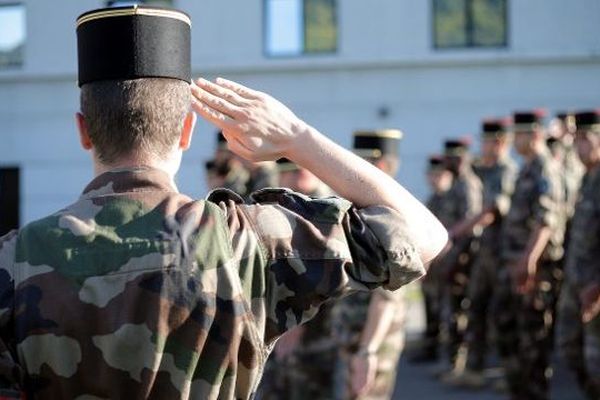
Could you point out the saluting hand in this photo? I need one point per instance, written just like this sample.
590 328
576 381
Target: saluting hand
257 127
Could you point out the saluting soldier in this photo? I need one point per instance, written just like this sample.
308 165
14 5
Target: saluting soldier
529 280
138 291
579 306
369 327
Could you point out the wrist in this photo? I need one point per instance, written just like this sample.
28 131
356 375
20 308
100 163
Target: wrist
302 144
365 351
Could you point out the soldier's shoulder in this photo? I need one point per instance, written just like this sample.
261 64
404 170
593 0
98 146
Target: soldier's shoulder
7 245
325 209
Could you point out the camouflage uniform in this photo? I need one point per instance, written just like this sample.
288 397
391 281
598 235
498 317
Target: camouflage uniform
498 185
137 291
525 322
264 175
348 322
462 202
306 373
573 172
432 285
579 342
236 179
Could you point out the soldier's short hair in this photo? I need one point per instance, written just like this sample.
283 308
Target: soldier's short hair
140 117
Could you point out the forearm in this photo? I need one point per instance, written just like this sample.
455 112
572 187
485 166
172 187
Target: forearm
465 227
379 319
364 185
537 243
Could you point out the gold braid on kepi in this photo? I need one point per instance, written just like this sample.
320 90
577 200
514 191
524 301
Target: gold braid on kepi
133 42
495 128
528 121
588 121
377 143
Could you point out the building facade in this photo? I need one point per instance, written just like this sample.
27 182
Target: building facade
426 67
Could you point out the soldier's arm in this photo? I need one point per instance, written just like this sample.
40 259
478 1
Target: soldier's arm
258 128
469 209
506 189
295 253
379 319
547 216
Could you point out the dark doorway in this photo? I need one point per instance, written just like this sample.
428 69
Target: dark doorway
9 199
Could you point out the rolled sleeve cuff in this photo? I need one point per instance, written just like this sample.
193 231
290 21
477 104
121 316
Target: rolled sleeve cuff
402 263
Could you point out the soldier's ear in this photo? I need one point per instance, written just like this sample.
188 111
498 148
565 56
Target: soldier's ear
84 137
187 131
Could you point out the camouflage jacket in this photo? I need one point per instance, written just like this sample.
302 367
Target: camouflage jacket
137 291
538 200
573 172
583 257
463 200
436 204
498 185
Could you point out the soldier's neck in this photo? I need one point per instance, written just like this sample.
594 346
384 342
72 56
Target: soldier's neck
170 165
593 166
490 160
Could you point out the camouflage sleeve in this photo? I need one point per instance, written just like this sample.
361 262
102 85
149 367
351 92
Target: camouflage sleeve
546 210
505 191
469 202
10 371
304 252
589 271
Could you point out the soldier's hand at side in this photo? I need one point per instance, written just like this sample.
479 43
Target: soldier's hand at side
590 302
363 369
522 275
257 127
288 343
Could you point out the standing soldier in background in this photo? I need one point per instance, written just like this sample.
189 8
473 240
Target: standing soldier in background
300 179
497 172
440 181
239 175
369 327
462 203
560 143
532 244
579 305
211 178
302 363
229 170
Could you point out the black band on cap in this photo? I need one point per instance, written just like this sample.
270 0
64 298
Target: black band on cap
133 42
377 143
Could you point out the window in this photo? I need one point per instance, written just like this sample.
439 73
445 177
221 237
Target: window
122 3
469 23
296 27
9 199
12 34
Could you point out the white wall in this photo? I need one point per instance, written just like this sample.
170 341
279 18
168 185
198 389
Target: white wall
385 59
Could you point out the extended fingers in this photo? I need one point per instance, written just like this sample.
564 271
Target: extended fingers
221 91
210 114
215 102
241 90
